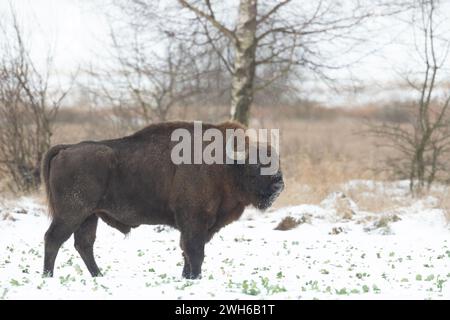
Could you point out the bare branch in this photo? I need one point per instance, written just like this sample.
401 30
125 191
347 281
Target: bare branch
272 11
210 17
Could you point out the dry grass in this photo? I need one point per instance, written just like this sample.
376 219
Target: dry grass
372 200
287 223
443 197
319 156
319 153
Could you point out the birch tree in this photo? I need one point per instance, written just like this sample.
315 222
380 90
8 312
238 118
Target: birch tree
282 33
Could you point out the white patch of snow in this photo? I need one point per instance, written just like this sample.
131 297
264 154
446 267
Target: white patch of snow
321 258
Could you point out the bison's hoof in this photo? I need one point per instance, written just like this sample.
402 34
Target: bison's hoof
186 272
192 276
47 274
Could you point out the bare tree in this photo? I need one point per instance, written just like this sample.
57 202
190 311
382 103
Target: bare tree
282 33
265 44
423 144
26 110
144 84
155 86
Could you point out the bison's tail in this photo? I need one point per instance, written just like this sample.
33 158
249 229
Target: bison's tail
46 174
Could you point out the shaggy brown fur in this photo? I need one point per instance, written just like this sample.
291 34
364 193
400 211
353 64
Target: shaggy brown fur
132 181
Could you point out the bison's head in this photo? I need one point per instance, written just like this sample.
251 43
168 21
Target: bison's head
261 182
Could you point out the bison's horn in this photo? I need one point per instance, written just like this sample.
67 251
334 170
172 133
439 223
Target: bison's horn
233 154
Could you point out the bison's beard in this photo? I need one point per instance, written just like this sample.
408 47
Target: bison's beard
266 200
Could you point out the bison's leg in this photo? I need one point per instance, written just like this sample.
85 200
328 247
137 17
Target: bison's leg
193 245
186 268
84 243
56 235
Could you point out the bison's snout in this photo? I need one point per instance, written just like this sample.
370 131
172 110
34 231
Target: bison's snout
271 191
277 184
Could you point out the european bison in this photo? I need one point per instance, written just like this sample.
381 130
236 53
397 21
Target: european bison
132 181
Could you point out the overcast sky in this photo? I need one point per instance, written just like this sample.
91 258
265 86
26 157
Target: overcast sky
74 29
77 31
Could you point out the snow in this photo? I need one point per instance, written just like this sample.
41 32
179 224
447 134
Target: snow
403 253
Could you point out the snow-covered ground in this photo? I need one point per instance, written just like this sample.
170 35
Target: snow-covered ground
337 252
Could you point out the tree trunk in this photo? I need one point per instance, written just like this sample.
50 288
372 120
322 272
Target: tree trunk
244 63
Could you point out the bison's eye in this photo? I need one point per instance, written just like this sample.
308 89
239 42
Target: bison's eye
277 178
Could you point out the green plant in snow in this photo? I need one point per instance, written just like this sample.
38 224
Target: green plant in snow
430 277
5 291
250 288
440 283
376 289
14 283
342 291
271 289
